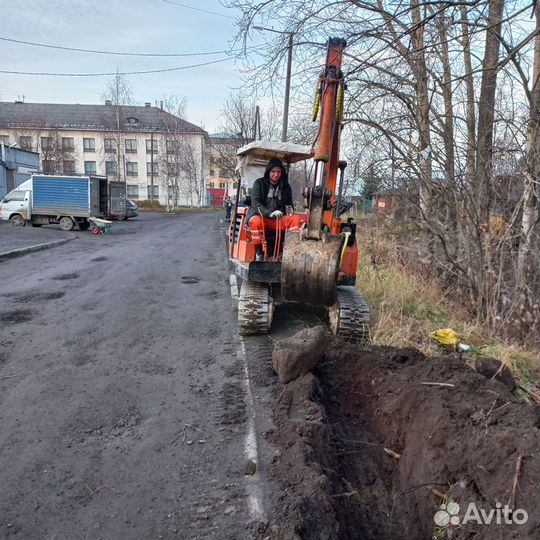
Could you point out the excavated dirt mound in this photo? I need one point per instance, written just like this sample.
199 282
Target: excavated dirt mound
366 451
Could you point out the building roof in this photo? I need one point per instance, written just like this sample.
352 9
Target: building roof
223 135
286 151
16 149
222 139
388 192
92 117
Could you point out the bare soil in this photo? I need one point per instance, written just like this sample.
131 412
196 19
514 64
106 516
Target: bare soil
367 451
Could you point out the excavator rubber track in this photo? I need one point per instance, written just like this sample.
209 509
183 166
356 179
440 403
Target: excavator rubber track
350 316
255 309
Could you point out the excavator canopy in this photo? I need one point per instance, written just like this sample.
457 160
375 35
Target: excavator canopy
253 157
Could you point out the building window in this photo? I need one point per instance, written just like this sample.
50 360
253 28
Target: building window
90 167
133 191
173 169
48 166
234 185
212 172
172 146
46 143
155 190
223 185
89 145
211 185
222 173
151 146
110 146
111 168
149 169
4 139
25 142
69 166
68 144
131 146
132 168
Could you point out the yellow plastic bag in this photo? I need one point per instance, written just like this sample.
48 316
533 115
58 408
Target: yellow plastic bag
447 337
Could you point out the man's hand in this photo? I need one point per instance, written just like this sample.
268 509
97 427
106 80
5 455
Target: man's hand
278 214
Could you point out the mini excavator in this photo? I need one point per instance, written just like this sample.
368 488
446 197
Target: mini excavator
318 264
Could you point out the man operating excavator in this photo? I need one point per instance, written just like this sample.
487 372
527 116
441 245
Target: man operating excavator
272 206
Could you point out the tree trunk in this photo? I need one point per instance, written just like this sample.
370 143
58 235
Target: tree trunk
418 66
469 85
486 110
448 135
482 188
528 260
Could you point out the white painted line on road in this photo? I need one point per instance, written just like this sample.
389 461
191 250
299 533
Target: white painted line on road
234 286
253 487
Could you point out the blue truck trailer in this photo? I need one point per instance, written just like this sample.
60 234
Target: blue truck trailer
66 200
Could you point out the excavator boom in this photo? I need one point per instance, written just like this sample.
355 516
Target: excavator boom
311 260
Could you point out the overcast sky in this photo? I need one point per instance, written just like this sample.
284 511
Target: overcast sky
142 26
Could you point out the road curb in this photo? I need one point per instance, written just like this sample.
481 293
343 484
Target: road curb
29 249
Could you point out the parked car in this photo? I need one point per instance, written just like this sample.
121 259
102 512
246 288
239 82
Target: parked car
132 210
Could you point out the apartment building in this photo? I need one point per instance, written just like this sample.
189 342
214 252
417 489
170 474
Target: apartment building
158 155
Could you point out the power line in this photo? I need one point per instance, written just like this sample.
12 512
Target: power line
115 53
114 72
198 9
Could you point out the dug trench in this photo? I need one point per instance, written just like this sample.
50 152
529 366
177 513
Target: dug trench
367 450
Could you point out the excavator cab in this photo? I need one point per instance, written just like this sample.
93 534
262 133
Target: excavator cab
316 265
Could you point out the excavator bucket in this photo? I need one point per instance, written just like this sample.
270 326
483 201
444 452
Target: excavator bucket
309 269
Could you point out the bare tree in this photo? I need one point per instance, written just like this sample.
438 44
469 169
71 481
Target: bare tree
181 157
118 90
528 260
238 127
55 156
117 94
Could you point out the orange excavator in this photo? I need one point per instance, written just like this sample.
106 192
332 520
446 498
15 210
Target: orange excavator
318 264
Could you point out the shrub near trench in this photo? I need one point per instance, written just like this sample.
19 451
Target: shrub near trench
408 303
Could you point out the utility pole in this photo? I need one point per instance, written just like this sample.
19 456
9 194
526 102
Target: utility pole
287 79
152 169
287 90
257 125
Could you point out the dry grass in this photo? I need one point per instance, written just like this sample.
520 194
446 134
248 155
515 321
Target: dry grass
155 206
147 205
407 305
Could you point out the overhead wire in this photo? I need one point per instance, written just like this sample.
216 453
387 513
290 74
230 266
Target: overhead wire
122 53
114 72
198 9
114 53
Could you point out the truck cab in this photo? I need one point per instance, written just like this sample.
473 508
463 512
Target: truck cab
15 206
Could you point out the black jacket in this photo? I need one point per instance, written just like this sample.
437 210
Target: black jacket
261 187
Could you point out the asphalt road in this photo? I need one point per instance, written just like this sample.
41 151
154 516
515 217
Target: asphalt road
123 407
14 238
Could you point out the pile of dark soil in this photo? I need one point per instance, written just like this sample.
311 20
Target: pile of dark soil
366 451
